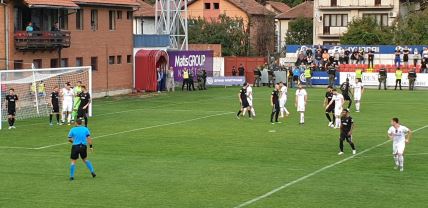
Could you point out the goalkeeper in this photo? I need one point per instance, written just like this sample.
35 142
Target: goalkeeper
76 91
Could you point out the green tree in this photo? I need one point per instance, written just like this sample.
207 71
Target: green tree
366 31
227 31
412 29
300 31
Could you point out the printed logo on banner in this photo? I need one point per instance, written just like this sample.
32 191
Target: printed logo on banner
194 61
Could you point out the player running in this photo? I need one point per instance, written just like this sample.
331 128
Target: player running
358 92
400 135
338 106
76 102
12 101
242 96
250 99
330 109
80 137
67 103
85 101
283 100
55 105
274 102
300 102
345 88
346 131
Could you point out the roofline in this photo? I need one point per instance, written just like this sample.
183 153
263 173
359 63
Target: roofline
52 6
107 4
246 12
277 17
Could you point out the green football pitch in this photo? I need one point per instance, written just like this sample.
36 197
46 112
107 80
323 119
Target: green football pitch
187 149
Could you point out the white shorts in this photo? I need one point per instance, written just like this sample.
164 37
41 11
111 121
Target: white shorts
301 107
282 102
357 96
250 102
67 106
398 148
338 111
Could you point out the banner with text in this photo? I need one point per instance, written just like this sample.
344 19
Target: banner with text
372 79
383 49
191 60
225 81
319 78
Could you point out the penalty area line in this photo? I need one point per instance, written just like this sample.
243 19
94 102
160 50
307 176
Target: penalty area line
254 200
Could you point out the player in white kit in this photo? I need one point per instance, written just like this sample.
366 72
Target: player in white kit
67 103
358 92
283 100
338 101
300 103
400 135
250 99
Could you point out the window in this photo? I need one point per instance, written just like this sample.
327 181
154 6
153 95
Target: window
18 64
377 2
333 3
63 19
129 59
119 59
119 14
207 6
94 63
54 63
129 15
112 20
79 19
94 19
79 61
331 43
37 63
216 6
381 19
335 20
111 60
64 62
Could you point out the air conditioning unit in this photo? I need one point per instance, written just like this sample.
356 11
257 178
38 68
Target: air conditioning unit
392 14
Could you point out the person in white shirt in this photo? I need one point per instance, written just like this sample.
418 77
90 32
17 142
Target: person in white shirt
67 103
283 100
338 101
400 135
250 99
300 103
358 92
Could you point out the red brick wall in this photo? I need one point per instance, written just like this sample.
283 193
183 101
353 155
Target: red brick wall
200 47
249 63
2 39
87 43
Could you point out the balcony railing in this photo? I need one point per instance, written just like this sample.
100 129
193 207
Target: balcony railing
39 40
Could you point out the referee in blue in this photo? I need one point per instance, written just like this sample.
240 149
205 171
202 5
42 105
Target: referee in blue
80 137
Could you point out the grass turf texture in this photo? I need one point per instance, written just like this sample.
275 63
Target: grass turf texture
191 151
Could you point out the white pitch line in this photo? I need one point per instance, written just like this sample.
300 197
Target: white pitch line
139 129
313 173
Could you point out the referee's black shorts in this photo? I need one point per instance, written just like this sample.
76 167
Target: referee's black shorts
346 97
11 111
78 149
344 136
330 109
275 107
55 108
82 112
245 103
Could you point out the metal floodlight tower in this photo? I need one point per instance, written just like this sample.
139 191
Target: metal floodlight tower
171 19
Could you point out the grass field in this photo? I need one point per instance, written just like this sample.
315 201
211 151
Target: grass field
187 149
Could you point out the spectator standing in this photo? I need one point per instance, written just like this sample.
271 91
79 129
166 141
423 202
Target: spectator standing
398 76
412 79
234 72
318 57
55 27
397 59
382 78
331 76
361 56
325 58
354 57
185 79
241 70
170 85
425 56
336 57
347 53
416 57
406 52
257 75
29 27
370 57
159 76
204 79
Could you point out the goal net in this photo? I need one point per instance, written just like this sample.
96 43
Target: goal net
34 87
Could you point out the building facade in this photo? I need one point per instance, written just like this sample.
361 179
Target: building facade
331 17
91 33
144 19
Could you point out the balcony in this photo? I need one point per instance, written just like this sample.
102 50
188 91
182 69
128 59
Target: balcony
356 4
42 41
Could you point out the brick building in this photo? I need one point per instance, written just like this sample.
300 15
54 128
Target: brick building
259 22
93 32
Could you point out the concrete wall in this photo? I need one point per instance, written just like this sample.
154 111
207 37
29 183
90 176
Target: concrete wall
144 25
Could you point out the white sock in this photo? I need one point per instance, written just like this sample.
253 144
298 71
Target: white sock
337 122
282 112
243 112
401 160
396 160
302 117
253 111
63 116
357 106
69 117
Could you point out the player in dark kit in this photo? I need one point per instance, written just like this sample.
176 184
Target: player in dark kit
346 129
54 105
245 106
12 100
274 102
330 109
346 91
85 100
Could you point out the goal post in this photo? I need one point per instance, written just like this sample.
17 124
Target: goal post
34 86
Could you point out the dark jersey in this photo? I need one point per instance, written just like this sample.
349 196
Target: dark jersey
412 74
347 123
382 72
243 94
55 98
275 97
344 88
11 101
329 96
85 97
332 71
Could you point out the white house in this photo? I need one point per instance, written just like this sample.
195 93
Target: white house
144 19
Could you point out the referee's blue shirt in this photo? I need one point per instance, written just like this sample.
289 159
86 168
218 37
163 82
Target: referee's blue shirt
79 135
